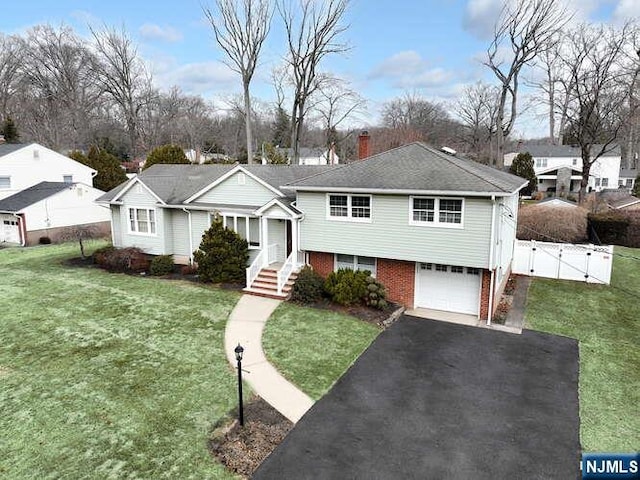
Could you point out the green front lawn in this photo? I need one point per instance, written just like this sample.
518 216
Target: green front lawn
606 322
107 375
312 348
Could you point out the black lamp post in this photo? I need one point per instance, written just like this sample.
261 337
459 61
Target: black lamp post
239 351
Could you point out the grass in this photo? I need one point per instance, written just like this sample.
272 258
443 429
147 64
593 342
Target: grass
107 375
604 319
312 347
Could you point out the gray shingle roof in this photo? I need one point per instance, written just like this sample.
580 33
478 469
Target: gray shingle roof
414 167
176 183
629 172
624 201
564 150
7 148
31 195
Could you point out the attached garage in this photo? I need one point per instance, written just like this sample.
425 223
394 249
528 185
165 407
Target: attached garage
449 288
9 229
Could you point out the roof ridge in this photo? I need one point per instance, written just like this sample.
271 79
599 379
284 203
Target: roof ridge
449 159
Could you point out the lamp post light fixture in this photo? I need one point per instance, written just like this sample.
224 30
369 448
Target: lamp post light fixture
239 350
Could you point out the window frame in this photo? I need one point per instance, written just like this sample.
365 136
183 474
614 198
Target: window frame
604 182
436 223
69 176
349 217
225 215
137 221
8 178
541 162
356 263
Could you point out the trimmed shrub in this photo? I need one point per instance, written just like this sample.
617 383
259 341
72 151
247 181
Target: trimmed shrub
376 295
44 241
309 287
161 265
550 224
611 227
222 256
346 286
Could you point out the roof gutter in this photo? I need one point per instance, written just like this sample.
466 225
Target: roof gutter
22 228
190 236
491 257
394 191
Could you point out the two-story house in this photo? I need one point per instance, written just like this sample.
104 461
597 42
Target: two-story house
437 230
559 167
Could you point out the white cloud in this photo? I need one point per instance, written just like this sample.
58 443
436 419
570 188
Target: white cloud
151 31
480 17
626 10
408 70
202 78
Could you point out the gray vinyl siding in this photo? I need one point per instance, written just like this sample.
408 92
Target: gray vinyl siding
180 221
167 231
389 235
231 193
116 226
138 197
199 224
277 235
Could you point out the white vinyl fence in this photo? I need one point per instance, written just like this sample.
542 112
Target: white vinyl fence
584 263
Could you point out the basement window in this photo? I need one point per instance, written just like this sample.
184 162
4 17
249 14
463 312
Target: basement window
355 262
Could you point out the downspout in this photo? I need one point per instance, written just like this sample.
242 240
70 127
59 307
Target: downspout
22 228
491 259
190 236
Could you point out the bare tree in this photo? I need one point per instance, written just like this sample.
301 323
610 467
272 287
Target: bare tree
597 105
81 233
311 36
527 28
240 29
477 109
10 61
124 77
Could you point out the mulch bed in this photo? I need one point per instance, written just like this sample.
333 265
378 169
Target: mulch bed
367 314
243 449
506 300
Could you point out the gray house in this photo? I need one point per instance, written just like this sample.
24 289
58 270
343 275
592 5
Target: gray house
437 230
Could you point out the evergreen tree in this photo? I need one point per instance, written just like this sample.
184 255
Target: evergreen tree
282 129
10 131
522 166
110 173
636 187
222 256
166 154
274 157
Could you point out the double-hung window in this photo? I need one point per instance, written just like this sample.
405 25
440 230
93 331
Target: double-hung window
356 262
344 206
142 221
245 226
436 211
5 182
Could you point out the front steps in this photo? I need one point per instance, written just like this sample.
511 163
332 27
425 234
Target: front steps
266 285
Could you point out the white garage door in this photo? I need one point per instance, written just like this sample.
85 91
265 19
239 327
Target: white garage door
9 229
449 288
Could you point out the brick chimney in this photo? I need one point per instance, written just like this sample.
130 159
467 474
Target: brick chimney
363 145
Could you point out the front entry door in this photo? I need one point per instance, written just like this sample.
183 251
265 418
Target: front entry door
288 237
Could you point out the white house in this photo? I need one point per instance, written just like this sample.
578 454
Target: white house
627 178
47 209
559 167
310 156
24 165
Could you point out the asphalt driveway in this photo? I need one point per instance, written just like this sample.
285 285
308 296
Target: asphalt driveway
436 400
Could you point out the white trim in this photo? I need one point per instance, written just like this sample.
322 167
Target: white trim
134 181
229 174
8 177
247 228
355 263
348 218
277 202
436 213
398 191
141 234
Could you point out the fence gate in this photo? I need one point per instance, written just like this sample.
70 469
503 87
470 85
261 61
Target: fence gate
566 261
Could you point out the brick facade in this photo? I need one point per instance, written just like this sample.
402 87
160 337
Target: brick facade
485 291
396 275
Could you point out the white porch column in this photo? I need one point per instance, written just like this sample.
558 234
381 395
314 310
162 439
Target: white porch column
264 238
294 239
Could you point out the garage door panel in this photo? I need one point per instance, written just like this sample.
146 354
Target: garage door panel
9 232
448 288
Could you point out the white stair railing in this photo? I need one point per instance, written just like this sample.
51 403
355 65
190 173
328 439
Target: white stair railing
272 255
254 269
285 272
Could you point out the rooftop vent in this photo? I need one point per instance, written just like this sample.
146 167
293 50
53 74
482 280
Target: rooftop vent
448 150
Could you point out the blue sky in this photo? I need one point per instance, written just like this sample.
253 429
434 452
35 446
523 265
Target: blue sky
433 47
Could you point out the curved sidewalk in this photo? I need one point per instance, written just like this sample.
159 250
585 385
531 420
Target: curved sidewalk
245 326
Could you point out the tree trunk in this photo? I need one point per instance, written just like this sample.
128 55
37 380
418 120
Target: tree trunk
586 170
247 118
552 116
295 156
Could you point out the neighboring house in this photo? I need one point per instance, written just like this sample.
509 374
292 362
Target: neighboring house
559 168
47 209
25 165
199 157
627 178
310 156
437 230
627 202
556 202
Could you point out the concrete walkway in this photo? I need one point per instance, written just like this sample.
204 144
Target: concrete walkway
245 326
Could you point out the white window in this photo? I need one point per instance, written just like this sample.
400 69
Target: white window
456 269
441 268
142 221
629 182
349 207
67 178
5 182
541 162
575 161
605 182
245 226
436 211
356 262
597 182
473 271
